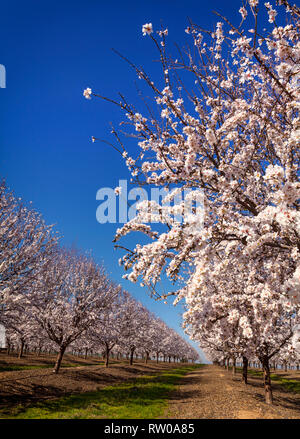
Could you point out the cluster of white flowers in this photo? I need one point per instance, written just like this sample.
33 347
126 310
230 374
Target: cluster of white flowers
118 190
210 136
274 174
147 29
271 12
243 12
162 33
87 93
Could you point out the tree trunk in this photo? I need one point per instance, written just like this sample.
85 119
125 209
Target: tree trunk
107 351
59 359
227 364
267 380
233 366
85 353
146 357
157 354
21 349
131 356
245 370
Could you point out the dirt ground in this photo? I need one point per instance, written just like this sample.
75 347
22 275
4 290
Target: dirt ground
45 360
213 393
28 386
210 392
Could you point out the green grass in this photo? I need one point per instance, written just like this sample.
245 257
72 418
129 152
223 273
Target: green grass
287 383
8 367
145 398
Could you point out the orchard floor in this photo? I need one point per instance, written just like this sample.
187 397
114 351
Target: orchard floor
29 386
213 392
209 392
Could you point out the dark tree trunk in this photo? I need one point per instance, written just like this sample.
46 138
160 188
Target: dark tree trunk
157 355
107 351
59 359
85 353
21 350
233 366
131 356
146 357
245 370
267 380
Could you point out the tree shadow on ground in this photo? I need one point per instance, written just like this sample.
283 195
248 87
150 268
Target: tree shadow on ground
143 387
143 394
283 396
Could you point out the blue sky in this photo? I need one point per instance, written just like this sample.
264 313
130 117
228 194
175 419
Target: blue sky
51 52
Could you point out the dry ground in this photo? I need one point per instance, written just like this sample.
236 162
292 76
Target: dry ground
45 360
210 392
28 386
213 393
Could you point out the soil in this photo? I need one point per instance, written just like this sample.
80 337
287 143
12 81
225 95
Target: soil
214 393
45 360
29 386
210 392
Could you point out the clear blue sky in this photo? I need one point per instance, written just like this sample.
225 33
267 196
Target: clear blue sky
51 52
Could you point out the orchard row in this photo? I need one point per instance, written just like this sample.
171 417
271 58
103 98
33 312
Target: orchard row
53 298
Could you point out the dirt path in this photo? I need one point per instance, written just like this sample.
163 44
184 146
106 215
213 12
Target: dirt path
213 393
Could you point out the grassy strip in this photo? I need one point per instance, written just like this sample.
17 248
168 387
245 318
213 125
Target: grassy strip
144 398
287 383
8 368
